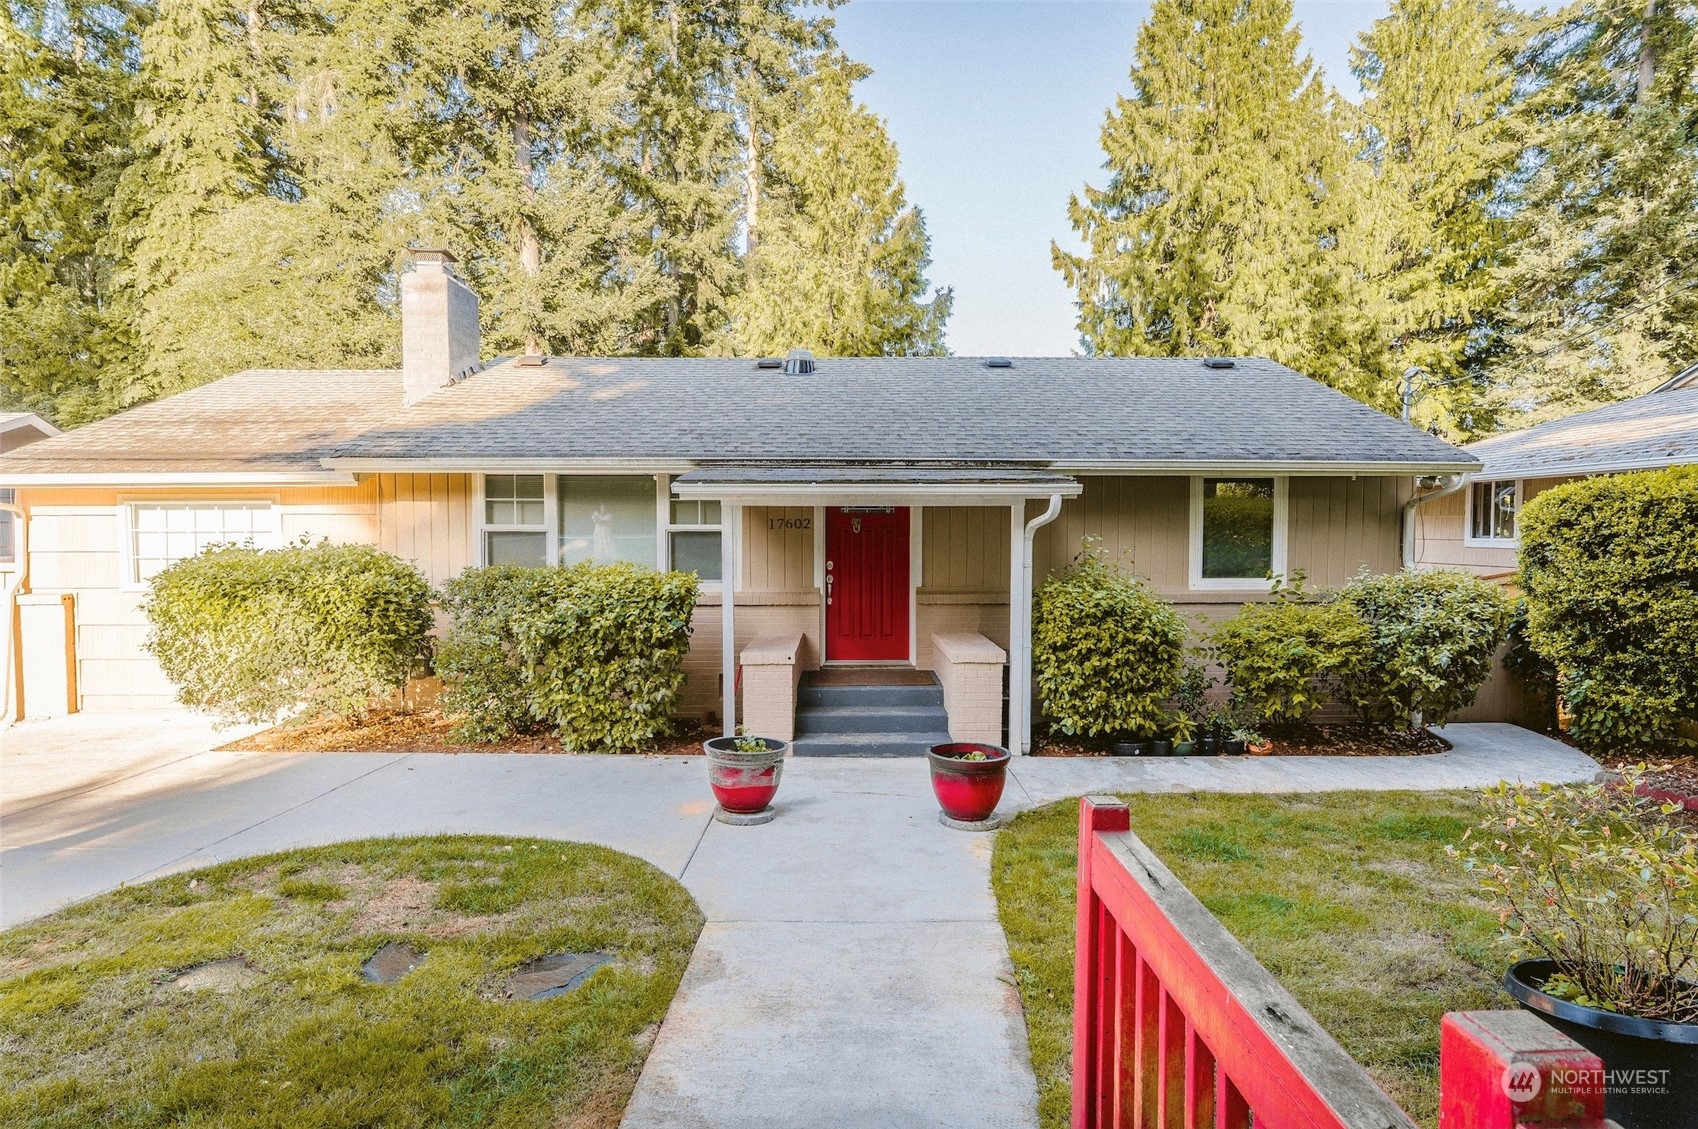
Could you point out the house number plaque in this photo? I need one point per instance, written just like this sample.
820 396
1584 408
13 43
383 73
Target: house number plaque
789 523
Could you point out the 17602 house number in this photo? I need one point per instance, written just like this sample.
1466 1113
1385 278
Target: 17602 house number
789 523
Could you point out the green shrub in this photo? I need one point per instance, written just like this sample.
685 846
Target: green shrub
248 634
593 653
1287 657
1106 651
1432 636
1609 566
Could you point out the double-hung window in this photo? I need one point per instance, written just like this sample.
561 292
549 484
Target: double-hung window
159 534
544 519
1492 509
1237 532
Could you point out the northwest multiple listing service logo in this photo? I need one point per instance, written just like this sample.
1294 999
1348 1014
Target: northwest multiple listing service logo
1521 1081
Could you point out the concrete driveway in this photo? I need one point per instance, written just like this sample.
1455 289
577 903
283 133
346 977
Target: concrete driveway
852 970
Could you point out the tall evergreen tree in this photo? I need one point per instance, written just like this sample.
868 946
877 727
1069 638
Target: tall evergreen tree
1218 229
839 265
1434 136
67 99
1603 286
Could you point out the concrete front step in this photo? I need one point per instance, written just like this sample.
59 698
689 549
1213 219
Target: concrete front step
814 721
867 744
811 695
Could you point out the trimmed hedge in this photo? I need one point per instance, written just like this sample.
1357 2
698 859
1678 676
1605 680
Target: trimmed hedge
1609 566
592 653
1431 639
1288 657
1106 651
249 634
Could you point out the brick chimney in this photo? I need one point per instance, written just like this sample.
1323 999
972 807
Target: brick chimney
439 326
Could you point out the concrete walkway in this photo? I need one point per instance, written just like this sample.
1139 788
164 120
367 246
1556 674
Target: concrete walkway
852 970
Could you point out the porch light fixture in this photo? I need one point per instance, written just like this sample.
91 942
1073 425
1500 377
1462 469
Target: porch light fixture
799 362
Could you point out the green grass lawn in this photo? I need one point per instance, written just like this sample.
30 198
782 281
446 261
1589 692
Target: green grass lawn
94 1032
1347 897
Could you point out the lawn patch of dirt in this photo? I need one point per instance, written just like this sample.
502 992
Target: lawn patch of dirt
425 731
219 997
1343 740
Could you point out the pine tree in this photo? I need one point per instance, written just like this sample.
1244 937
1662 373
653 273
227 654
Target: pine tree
67 93
839 266
1218 229
1434 137
1603 286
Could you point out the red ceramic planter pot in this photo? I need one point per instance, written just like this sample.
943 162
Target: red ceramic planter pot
968 791
744 783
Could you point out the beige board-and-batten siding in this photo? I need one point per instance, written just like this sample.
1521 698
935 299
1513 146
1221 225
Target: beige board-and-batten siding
1441 534
74 547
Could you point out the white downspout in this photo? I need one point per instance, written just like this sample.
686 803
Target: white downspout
1449 484
20 521
730 533
1021 674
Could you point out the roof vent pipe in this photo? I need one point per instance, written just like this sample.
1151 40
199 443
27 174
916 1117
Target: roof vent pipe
799 362
998 362
1219 362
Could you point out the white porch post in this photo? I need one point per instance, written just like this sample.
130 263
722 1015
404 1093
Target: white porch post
731 531
1018 696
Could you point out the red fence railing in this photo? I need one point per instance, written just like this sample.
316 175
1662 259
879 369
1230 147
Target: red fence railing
1176 1025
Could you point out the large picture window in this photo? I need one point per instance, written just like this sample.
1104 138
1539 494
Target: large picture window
1492 509
159 534
1237 531
607 518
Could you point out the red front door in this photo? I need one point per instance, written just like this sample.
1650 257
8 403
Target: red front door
866 585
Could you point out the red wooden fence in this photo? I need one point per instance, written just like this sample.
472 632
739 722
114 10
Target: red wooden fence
1176 1026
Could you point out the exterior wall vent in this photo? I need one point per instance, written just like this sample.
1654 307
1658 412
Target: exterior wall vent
1219 362
998 362
769 362
799 362
532 360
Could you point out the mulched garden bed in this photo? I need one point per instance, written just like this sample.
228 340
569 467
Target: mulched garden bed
1675 778
424 731
1343 740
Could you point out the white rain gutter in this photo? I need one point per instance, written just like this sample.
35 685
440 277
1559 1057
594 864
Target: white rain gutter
1020 670
8 675
1448 485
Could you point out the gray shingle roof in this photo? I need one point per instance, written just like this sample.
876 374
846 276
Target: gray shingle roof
1068 411
1654 430
1042 410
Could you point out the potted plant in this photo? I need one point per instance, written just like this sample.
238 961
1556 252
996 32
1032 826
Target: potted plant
1191 701
743 771
1254 743
967 779
1214 727
1161 747
1599 881
1240 739
1183 733
1129 746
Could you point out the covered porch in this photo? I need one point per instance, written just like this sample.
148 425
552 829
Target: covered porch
895 564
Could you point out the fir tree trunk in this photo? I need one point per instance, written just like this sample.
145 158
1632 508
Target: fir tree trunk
530 247
1647 54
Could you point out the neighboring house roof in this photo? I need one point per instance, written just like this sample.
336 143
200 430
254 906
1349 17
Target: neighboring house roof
1073 413
14 421
1655 430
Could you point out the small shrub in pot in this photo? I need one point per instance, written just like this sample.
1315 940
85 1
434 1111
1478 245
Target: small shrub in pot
1603 883
1106 650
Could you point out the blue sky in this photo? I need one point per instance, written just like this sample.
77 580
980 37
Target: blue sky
996 106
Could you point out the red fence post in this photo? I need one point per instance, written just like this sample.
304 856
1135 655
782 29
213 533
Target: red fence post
1507 1069
1090 1023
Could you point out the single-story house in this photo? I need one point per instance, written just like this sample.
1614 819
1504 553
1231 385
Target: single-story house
891 512
1474 527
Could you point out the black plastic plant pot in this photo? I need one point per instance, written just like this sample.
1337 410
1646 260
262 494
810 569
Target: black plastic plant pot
1233 747
1208 746
1649 1065
1159 748
1129 748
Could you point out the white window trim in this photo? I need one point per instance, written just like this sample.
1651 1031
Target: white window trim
667 528
125 515
1281 512
1474 542
550 527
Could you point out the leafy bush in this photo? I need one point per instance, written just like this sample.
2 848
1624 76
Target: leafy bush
1287 657
594 653
1609 566
1432 636
1105 650
248 634
1600 880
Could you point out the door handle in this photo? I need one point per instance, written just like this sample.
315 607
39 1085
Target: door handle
828 581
